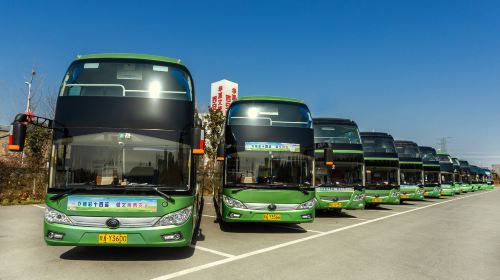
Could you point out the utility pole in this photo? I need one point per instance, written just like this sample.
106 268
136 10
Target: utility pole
28 105
443 144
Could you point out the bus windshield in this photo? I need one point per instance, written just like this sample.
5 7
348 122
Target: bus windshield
269 168
444 158
109 158
411 177
127 78
429 155
378 145
380 176
336 133
446 178
342 174
432 177
269 114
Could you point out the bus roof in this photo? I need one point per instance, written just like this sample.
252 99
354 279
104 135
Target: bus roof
427 148
269 98
334 121
443 154
129 56
405 143
375 134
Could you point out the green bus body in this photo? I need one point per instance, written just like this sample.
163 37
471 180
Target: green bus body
382 174
465 174
268 158
411 170
432 169
118 176
339 186
457 178
447 174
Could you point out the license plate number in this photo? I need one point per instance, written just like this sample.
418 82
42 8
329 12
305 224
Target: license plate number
405 196
113 238
377 200
335 204
426 193
272 217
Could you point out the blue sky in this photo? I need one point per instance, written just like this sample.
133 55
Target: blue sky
419 70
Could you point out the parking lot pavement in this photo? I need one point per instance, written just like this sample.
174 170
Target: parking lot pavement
447 238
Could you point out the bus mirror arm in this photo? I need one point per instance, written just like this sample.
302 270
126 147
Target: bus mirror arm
220 152
17 132
328 156
198 140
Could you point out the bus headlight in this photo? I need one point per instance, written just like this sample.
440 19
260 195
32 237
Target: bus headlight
437 189
176 218
308 204
395 194
233 203
55 217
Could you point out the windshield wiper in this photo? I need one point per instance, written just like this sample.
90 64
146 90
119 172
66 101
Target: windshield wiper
241 187
155 188
70 191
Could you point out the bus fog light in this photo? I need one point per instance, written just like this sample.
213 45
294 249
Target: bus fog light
233 203
308 204
307 216
55 235
176 218
234 215
172 236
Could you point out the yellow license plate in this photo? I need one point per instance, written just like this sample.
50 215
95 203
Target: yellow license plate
426 193
405 196
377 200
272 217
113 238
335 204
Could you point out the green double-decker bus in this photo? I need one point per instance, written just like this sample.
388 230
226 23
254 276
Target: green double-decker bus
381 169
447 174
339 182
457 178
268 162
465 173
475 177
411 170
125 149
432 169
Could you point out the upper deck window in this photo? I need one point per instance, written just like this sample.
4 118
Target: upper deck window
378 145
127 78
261 113
336 133
410 151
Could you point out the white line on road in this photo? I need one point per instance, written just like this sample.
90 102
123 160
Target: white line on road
210 216
212 251
38 206
354 218
300 240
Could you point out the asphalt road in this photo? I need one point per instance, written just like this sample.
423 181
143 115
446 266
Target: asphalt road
448 238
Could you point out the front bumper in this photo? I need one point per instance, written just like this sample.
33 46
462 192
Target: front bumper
377 197
247 215
335 203
137 237
448 192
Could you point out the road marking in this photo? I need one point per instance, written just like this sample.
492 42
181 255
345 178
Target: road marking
38 206
210 216
212 251
293 242
354 218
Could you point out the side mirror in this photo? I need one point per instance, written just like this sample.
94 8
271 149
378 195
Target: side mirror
17 136
328 155
198 138
221 152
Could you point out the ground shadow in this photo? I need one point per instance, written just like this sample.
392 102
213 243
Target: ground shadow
377 207
333 214
273 228
127 253
407 203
